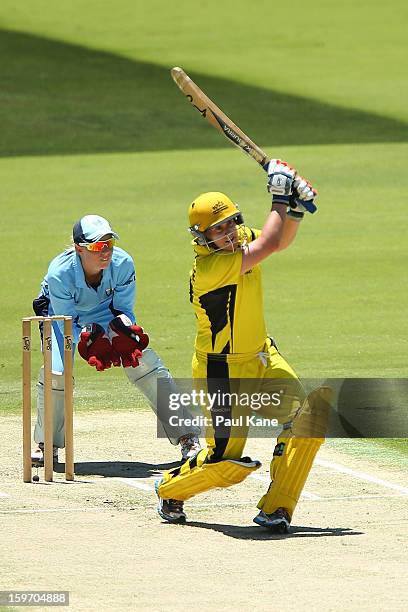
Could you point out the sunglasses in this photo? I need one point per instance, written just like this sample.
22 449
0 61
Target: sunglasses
96 247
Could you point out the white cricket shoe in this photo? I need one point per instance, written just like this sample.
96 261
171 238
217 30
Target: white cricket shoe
278 521
171 510
37 456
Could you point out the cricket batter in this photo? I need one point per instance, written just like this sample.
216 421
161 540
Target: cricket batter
94 282
232 344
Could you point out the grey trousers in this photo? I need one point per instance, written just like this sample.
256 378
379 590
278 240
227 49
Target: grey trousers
144 377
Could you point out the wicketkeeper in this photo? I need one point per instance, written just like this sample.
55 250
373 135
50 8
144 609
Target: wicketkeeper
232 345
94 282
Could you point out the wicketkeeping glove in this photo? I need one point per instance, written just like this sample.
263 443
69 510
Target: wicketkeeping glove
94 346
128 340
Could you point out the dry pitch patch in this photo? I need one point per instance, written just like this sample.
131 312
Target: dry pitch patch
101 539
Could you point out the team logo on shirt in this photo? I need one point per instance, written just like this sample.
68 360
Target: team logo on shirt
132 279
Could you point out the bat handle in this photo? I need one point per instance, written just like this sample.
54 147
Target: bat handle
309 205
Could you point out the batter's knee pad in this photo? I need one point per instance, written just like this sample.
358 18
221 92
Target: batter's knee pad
185 483
313 417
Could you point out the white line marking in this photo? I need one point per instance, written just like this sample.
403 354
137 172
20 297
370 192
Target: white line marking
54 482
308 495
135 483
42 510
321 499
362 476
305 494
386 495
218 504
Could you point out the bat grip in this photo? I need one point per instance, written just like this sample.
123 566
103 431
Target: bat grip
309 205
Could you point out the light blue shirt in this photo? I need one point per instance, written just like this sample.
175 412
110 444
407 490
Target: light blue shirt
69 293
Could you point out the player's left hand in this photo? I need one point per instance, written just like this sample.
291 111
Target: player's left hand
128 340
280 181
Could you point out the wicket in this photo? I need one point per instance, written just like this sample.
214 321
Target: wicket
48 409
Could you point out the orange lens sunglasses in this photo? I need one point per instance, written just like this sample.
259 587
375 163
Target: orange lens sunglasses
96 247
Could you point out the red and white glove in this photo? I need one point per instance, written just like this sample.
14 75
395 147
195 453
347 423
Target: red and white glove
94 346
128 340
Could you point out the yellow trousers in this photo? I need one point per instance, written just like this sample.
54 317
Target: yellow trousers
265 373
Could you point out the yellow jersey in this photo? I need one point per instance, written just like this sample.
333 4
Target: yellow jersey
228 305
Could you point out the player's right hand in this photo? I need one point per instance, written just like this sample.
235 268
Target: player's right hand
280 181
94 346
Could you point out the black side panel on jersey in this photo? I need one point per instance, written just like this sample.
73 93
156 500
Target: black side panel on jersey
219 306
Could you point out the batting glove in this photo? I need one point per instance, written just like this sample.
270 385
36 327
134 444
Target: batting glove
302 198
280 181
94 346
128 340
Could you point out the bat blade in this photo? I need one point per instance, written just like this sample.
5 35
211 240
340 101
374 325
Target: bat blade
218 119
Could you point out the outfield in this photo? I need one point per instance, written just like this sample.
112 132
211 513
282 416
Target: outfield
91 122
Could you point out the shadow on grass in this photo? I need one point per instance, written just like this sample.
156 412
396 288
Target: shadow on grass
61 98
252 532
121 469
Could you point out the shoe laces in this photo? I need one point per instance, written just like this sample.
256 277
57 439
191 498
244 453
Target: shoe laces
281 513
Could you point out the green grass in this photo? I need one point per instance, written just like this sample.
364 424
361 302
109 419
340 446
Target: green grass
399 445
93 77
61 98
387 453
92 122
346 53
332 301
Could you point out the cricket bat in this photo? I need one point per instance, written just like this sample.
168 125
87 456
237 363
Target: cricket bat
222 123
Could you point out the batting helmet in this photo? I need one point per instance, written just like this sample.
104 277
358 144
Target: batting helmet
208 210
